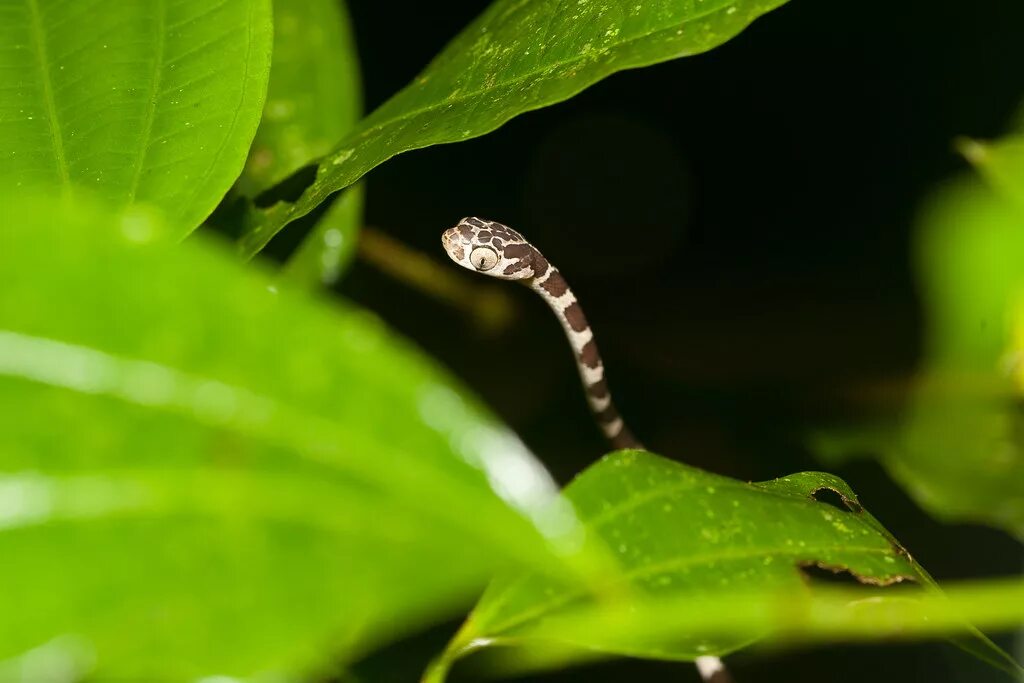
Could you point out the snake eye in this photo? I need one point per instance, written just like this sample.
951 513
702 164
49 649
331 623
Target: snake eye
483 258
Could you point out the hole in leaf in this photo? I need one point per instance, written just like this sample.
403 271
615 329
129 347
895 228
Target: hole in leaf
835 499
821 572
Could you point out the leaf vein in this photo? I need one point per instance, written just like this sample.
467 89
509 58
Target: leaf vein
250 40
56 139
154 93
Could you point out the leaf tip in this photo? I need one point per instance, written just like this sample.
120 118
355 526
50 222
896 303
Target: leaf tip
975 151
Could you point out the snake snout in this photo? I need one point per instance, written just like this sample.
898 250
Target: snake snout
452 244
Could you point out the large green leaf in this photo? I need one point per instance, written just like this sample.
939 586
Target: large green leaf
517 56
204 473
314 96
140 100
681 533
959 446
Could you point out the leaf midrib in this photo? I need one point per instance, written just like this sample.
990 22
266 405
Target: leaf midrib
714 481
154 94
516 79
56 138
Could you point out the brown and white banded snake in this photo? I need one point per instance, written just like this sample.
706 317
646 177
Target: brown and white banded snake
499 251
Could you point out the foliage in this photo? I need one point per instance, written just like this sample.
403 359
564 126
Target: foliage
679 534
959 447
156 103
150 440
515 57
208 469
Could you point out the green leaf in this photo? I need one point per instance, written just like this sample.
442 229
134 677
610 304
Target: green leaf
152 102
960 450
680 533
519 55
959 445
314 96
200 474
326 252
313 99
822 614
1001 162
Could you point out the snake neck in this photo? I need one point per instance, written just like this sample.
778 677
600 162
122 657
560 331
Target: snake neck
554 289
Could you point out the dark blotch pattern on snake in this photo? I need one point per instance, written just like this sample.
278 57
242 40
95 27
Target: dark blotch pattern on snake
499 251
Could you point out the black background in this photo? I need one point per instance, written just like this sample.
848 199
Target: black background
738 226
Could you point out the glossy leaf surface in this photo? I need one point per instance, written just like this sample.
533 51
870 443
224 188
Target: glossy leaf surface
202 475
680 533
517 56
150 101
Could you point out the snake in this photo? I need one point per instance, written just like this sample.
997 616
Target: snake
496 250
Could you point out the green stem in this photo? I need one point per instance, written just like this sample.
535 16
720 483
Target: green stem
437 671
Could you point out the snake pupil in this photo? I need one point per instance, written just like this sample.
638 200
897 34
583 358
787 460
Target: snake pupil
483 258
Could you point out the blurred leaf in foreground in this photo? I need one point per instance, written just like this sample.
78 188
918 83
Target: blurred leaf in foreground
781 617
200 475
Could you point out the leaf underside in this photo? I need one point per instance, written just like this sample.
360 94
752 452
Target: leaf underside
519 55
203 476
958 448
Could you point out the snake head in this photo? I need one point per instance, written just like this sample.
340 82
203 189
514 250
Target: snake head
492 249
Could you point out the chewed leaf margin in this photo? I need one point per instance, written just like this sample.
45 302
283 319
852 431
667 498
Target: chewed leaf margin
780 530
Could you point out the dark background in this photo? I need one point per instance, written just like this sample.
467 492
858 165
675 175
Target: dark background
738 226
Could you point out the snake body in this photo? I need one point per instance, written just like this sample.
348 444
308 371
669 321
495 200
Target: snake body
497 250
